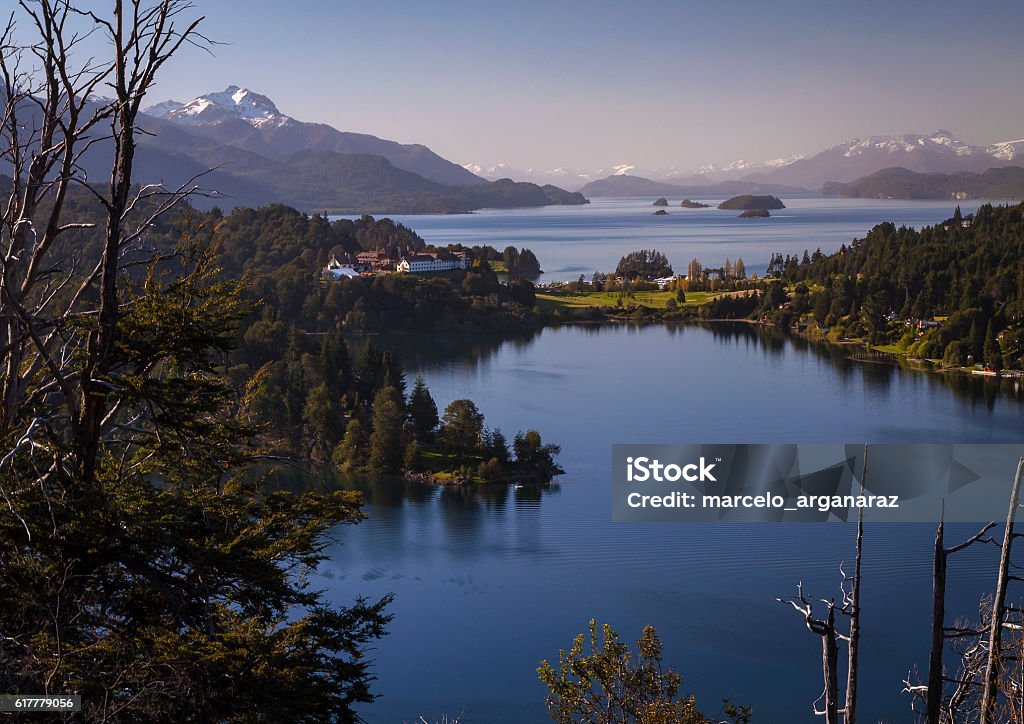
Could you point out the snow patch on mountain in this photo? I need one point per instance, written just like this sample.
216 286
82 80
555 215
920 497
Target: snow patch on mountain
940 142
940 147
159 110
212 108
1007 150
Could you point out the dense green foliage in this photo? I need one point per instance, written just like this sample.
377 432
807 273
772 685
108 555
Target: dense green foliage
748 201
645 264
964 288
170 582
520 262
283 250
600 680
901 183
341 183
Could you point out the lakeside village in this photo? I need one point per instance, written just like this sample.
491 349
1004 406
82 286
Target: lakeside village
390 260
941 311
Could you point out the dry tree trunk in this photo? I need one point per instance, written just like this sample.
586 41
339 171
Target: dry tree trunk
829 663
826 629
933 694
48 122
988 701
853 604
933 700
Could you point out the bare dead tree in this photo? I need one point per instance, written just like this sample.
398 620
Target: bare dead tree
60 397
826 628
851 602
933 695
997 620
964 700
830 637
58 321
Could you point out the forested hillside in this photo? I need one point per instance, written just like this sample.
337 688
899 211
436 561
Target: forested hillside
953 291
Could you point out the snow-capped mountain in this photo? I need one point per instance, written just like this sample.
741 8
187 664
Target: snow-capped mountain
234 102
161 109
245 119
942 142
497 171
573 178
740 167
1007 150
938 152
568 178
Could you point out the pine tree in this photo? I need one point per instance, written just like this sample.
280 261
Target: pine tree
369 371
350 454
422 409
462 426
323 417
335 364
386 439
534 459
993 353
496 446
392 374
295 390
412 459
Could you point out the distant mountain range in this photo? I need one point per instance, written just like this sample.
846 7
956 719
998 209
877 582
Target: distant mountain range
626 185
241 118
258 155
938 152
901 183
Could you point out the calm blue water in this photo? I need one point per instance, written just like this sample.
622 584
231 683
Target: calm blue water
488 584
574 240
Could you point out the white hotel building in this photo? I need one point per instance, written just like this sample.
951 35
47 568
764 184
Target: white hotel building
431 262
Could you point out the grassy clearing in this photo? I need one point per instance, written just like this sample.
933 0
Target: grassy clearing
549 301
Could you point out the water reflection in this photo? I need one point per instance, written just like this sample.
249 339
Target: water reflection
450 553
877 371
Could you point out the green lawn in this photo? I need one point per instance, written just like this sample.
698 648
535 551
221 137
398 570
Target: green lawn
549 301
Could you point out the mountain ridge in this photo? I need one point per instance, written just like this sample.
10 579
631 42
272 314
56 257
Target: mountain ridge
1006 182
245 119
938 151
626 185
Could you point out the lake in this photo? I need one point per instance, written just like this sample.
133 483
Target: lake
489 582
574 240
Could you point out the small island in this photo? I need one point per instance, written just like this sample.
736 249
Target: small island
754 214
687 204
661 202
661 212
747 202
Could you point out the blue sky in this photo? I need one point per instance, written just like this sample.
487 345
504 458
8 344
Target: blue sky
545 84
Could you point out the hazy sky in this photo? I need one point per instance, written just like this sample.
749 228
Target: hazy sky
597 83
